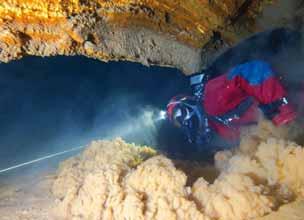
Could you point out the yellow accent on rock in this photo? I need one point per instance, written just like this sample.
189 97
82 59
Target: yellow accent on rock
54 23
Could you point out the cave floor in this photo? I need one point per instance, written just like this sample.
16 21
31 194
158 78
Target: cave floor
33 200
30 200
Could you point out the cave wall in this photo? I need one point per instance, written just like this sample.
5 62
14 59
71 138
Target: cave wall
180 33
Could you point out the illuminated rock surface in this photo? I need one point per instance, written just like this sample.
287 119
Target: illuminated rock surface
252 183
264 179
161 32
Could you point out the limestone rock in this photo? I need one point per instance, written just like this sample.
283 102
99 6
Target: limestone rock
153 32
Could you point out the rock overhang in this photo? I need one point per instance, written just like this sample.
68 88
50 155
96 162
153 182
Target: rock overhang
182 33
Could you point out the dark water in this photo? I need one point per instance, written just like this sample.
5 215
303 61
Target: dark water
52 104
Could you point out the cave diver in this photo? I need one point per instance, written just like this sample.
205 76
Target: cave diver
220 105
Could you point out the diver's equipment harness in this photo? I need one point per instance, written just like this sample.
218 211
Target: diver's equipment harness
205 131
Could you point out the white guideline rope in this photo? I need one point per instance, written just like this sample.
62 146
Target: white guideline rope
40 159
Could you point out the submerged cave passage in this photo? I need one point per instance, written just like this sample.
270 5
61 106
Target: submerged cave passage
53 104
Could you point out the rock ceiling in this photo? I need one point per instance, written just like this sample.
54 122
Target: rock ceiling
177 33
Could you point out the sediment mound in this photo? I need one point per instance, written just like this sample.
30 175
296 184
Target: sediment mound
116 180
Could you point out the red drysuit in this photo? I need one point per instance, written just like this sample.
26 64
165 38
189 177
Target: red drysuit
253 83
254 79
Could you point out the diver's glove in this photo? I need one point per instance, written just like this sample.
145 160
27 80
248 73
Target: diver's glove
189 131
204 134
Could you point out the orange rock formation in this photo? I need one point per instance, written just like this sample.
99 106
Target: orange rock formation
146 31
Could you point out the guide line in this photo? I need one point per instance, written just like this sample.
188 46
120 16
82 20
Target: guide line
41 159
